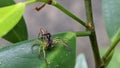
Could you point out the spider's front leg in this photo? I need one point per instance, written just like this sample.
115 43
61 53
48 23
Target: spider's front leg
37 42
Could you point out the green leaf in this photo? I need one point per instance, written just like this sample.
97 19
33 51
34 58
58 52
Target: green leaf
9 19
115 61
6 2
20 55
81 61
111 12
19 32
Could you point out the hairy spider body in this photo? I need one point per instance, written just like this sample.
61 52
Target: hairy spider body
46 42
46 36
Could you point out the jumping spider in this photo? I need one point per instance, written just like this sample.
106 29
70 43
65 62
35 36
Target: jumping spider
46 42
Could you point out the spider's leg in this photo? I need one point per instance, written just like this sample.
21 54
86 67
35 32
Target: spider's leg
39 8
39 35
58 40
45 55
33 46
66 45
39 52
37 42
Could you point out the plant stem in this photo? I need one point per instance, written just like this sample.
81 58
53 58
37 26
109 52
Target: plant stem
111 49
30 1
114 41
57 5
83 33
92 37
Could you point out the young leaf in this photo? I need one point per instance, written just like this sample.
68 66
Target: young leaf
19 32
9 19
20 55
111 12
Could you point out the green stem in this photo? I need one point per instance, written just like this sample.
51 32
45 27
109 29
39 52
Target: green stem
30 2
110 50
57 5
114 41
92 37
83 33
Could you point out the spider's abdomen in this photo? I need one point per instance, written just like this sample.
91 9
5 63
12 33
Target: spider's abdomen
49 40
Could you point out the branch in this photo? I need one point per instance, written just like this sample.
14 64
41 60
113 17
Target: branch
83 33
92 37
57 5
